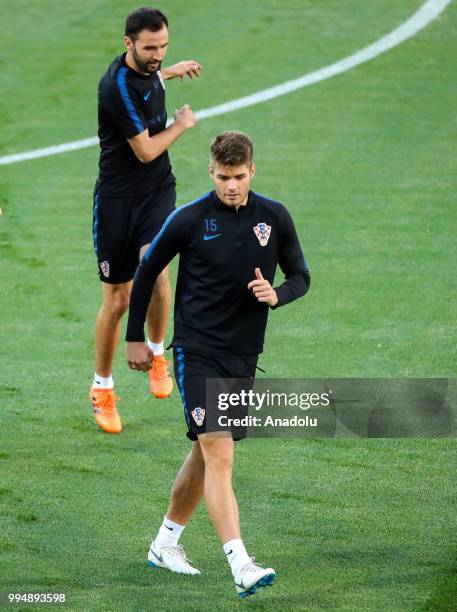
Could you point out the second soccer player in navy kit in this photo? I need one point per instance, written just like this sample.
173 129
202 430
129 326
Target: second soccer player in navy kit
134 193
230 242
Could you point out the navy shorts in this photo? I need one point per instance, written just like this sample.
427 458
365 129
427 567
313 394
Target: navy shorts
121 226
191 371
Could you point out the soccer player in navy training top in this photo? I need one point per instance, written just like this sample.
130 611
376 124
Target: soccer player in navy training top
230 242
134 194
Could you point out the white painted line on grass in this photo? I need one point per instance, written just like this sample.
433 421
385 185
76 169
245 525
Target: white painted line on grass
427 13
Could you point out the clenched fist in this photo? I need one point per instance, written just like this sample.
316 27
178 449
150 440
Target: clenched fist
185 118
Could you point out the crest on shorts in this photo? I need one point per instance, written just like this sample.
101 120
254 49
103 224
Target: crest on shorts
262 231
198 414
162 82
104 267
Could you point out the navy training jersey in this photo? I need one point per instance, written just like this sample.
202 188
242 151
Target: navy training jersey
128 104
219 249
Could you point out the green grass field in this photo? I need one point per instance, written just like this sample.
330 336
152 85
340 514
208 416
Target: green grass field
366 163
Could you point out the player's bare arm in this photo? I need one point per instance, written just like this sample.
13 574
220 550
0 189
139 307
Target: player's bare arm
147 148
262 289
189 68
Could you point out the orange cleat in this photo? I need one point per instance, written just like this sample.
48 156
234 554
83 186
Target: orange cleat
105 412
159 377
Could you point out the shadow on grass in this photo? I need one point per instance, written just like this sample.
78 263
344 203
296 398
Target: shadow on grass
444 597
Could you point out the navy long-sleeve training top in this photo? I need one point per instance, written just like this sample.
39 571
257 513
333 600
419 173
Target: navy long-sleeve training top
219 248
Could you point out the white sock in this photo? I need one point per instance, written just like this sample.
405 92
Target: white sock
103 383
169 533
236 555
156 347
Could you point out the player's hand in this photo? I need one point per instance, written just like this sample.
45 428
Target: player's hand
188 68
262 289
185 118
139 356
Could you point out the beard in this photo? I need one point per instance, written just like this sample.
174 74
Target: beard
146 67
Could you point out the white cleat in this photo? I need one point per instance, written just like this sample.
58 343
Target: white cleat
172 558
252 577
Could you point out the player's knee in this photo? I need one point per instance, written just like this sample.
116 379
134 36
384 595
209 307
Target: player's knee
219 463
121 304
117 303
218 454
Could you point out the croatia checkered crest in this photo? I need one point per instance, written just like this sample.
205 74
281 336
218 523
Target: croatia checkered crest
262 231
198 414
104 267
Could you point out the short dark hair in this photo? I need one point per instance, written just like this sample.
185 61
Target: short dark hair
144 18
232 149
